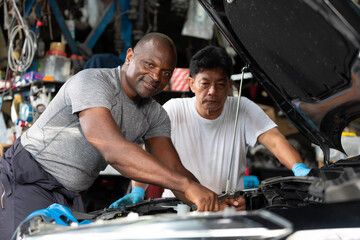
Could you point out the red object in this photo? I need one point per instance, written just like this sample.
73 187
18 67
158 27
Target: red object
247 172
153 191
56 52
178 81
253 91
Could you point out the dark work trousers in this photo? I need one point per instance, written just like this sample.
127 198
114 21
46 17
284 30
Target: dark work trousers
26 187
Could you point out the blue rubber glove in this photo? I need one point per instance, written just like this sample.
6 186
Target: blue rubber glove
300 170
61 214
136 195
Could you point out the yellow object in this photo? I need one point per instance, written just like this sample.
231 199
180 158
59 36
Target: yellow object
48 78
15 55
17 101
348 134
57 46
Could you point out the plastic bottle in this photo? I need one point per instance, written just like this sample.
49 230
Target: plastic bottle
56 64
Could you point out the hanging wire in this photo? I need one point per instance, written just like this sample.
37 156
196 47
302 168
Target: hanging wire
21 61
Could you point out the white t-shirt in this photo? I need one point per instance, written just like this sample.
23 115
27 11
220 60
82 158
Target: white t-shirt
204 145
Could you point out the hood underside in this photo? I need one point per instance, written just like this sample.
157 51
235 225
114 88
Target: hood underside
305 53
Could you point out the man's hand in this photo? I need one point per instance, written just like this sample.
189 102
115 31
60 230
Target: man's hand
239 203
300 170
203 198
136 195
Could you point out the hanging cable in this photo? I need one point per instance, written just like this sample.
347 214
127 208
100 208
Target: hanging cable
21 53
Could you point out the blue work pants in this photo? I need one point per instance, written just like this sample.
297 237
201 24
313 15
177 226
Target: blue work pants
26 187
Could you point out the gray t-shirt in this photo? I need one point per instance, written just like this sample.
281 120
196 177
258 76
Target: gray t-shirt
57 142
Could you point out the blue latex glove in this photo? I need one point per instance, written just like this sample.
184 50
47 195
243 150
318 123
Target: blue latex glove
61 214
300 170
136 195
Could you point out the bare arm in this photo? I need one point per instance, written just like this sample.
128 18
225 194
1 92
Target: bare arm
163 149
133 162
139 184
277 144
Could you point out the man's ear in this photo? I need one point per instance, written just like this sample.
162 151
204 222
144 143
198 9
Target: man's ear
129 55
191 82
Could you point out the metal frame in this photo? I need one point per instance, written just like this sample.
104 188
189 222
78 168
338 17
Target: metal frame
97 31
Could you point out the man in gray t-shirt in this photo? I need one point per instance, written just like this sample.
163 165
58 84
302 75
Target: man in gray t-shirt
59 127
95 120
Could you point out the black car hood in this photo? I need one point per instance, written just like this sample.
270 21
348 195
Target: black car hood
305 53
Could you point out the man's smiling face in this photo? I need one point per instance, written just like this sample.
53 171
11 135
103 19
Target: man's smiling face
149 69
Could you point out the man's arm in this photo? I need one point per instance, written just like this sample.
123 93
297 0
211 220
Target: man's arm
277 144
139 184
130 160
163 149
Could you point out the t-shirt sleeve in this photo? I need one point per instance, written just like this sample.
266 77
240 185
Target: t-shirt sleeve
159 122
257 122
170 109
174 115
88 89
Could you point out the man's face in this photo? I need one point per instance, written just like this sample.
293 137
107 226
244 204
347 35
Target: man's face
211 88
149 70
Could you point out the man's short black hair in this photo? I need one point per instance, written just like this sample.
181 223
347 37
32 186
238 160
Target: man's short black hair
211 57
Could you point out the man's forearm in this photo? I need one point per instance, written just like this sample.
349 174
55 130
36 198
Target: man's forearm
187 173
139 184
146 168
277 144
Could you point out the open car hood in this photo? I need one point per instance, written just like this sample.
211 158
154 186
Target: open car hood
305 53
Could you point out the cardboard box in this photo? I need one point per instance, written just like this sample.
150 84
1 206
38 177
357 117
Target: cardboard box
285 126
269 111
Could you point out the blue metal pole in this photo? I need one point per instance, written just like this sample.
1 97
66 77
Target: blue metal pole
126 26
28 7
60 19
101 25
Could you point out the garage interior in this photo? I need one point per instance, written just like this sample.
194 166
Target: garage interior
56 23
67 36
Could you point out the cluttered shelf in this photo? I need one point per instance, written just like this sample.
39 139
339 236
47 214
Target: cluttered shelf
54 86
22 101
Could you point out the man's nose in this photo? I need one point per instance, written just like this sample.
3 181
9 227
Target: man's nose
212 89
155 75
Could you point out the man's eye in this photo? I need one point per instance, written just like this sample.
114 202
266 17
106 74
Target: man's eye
149 64
167 74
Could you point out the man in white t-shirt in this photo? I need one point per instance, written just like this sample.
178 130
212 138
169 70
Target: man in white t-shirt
202 129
